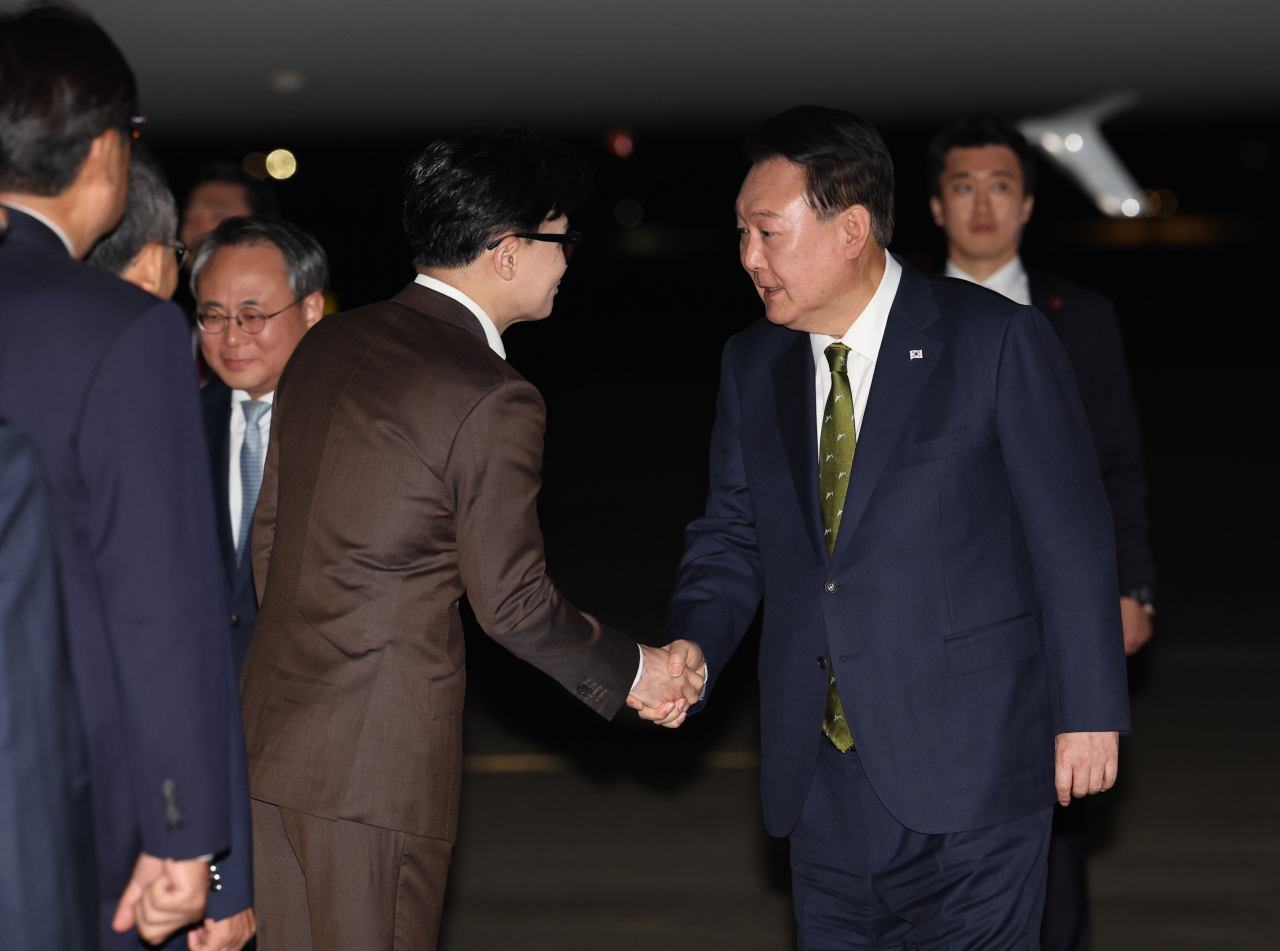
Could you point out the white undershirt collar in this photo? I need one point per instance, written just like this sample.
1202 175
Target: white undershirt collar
1011 280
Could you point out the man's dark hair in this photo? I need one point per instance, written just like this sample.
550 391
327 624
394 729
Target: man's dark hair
305 262
467 188
151 215
844 159
259 196
62 84
974 132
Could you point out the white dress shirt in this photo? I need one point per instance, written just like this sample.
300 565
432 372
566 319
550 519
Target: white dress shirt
495 344
1010 280
863 340
234 490
486 322
47 222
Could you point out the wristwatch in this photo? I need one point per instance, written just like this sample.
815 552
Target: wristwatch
1142 595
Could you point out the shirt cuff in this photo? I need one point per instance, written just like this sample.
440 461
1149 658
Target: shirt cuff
640 669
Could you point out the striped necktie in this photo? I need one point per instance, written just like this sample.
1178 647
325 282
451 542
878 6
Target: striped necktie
839 439
253 451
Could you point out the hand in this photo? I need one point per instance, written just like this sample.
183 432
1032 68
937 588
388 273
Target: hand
229 934
1086 763
1137 625
162 896
670 683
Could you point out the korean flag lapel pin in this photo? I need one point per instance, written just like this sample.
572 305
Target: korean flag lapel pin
916 354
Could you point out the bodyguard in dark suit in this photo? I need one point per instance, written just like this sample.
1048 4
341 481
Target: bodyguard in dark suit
982 180
244 272
47 894
98 373
901 469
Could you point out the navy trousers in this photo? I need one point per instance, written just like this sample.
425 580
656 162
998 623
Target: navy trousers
864 882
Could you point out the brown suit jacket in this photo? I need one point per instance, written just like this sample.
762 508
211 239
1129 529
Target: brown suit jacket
402 473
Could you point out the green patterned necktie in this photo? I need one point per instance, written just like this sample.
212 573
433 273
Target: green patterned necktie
839 439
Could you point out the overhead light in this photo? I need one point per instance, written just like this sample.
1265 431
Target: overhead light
1074 142
281 164
1131 207
287 80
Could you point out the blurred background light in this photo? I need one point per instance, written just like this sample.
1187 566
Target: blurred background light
1131 207
1074 142
619 143
287 80
281 164
629 212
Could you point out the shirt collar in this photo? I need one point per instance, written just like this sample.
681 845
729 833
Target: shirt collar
240 396
491 334
1010 280
46 221
866 332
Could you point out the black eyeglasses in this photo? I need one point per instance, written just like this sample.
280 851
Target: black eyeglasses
250 321
567 241
181 250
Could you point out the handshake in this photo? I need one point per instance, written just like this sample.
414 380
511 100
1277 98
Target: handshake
671 680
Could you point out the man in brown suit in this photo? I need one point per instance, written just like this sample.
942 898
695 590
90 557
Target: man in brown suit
401 474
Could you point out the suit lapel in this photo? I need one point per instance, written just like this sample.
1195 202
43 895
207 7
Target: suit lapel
793 390
897 383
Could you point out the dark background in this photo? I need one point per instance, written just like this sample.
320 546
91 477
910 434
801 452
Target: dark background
629 361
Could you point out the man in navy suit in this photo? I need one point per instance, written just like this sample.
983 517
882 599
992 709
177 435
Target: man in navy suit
982 192
98 373
47 895
259 286
902 471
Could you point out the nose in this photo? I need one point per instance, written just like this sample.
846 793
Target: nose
753 253
233 333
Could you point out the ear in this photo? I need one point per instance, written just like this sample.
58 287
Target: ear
504 258
1028 204
855 227
147 269
108 158
312 308
939 211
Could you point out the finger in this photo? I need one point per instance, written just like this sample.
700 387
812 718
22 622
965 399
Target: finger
1062 780
1110 771
124 917
634 702
199 939
1080 781
676 722
657 713
677 656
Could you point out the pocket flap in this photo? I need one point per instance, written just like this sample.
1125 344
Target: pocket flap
948 444
993 645
447 694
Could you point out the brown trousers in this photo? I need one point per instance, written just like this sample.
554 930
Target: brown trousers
325 885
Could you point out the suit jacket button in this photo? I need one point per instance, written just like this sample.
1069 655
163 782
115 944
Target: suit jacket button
235 620
584 690
822 662
830 587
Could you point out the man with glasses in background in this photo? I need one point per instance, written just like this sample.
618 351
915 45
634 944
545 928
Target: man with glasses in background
144 248
258 286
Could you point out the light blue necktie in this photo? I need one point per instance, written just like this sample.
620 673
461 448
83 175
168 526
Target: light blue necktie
253 451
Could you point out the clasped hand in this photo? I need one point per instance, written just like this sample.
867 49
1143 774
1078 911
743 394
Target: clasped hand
669 684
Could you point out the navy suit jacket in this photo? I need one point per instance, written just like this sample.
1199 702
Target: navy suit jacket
215 401
48 897
969 609
1086 325
98 373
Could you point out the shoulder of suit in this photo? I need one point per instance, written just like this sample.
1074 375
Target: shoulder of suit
406 341
73 296
1052 294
